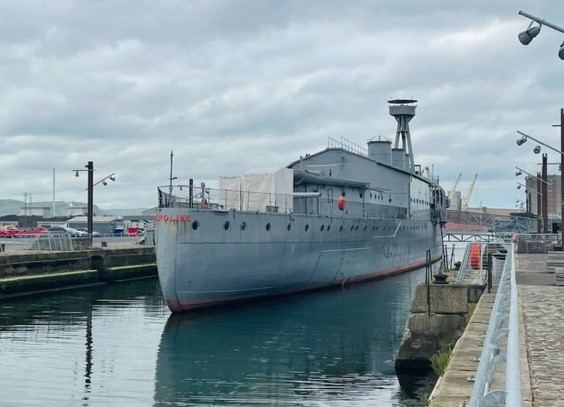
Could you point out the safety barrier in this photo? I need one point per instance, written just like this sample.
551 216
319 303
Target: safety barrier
503 330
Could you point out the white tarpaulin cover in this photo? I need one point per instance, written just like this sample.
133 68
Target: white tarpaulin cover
258 189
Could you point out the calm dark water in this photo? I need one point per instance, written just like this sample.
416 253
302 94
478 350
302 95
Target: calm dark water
118 345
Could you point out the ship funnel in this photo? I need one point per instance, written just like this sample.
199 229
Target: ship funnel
380 150
404 110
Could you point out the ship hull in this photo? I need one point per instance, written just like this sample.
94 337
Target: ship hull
208 257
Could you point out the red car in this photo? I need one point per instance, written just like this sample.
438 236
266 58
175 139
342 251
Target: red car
33 231
9 231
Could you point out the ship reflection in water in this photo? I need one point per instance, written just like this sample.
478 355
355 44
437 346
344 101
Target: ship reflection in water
119 345
333 347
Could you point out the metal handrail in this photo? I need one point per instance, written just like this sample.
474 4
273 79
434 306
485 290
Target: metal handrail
503 325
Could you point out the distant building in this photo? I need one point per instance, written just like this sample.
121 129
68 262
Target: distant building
77 210
533 194
40 211
104 225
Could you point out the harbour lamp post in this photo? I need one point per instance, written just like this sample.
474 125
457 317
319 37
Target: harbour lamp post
90 189
542 186
525 137
532 31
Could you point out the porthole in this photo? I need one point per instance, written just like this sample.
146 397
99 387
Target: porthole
356 228
341 228
195 225
365 227
322 228
352 228
289 227
268 227
307 227
243 225
226 225
328 228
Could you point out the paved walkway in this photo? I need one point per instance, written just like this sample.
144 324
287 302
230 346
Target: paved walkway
542 308
541 340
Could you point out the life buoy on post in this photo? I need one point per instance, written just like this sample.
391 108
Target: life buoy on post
341 203
205 203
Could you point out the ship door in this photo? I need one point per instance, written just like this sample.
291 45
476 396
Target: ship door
330 202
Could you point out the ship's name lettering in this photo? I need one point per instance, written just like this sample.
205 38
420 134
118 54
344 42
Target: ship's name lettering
180 217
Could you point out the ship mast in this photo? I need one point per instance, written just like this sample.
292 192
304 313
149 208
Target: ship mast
404 110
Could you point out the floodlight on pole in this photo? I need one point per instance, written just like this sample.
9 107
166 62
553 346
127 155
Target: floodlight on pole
520 171
532 31
520 185
537 149
527 36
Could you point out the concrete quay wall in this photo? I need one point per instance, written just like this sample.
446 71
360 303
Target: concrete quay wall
436 321
541 347
46 271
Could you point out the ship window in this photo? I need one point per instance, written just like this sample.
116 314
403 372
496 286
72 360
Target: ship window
365 227
289 226
356 227
307 227
352 228
322 228
328 228
226 225
341 228
268 227
195 225
360 194
371 195
243 225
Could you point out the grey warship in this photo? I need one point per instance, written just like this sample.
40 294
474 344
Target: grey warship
339 216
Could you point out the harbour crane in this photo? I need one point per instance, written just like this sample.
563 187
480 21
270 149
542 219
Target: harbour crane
452 192
466 198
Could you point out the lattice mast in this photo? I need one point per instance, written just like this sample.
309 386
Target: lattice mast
404 110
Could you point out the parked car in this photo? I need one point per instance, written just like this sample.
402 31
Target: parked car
33 231
94 233
9 231
64 230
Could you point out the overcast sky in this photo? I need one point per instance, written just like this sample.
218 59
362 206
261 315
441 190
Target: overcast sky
238 84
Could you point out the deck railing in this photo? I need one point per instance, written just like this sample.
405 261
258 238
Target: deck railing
306 202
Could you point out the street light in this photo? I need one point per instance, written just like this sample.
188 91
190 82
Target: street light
537 149
521 171
90 205
519 185
525 137
532 31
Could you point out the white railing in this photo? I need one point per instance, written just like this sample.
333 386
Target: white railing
503 328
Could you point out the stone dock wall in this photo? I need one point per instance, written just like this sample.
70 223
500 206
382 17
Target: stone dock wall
39 272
